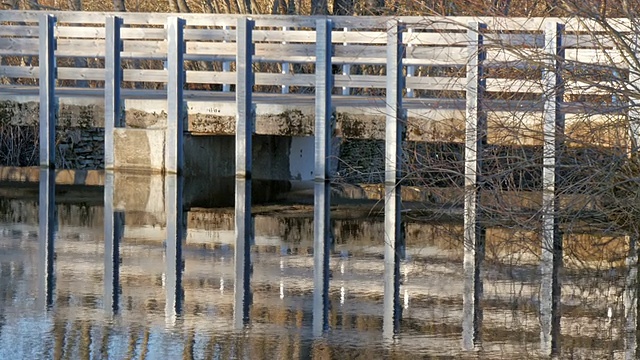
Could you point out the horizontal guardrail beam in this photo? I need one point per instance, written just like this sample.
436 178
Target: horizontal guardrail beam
434 60
417 22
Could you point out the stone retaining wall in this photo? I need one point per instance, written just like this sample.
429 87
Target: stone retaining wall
80 148
79 139
76 148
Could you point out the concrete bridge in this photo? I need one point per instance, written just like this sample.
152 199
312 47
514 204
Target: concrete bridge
160 83
157 83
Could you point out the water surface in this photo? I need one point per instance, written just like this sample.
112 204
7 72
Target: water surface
159 280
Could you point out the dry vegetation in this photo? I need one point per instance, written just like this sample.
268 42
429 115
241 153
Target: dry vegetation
520 8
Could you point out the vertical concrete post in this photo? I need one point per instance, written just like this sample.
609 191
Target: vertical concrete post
553 132
244 132
112 84
46 235
394 135
174 148
244 98
113 232
474 232
173 250
631 300
47 67
322 192
323 106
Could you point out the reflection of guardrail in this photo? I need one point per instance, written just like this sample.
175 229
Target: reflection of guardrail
78 265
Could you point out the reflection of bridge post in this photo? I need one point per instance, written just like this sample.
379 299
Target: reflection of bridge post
474 231
173 251
322 191
174 159
243 230
394 135
46 235
551 252
244 131
631 301
113 231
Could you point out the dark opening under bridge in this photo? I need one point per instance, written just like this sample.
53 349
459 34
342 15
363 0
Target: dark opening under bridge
437 79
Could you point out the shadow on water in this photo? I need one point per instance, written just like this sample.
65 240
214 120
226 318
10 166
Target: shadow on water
197 192
161 276
220 192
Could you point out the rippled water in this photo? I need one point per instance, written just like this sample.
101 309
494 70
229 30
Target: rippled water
71 311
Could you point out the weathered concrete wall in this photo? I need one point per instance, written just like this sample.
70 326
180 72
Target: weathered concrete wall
218 118
214 156
79 113
431 122
139 149
140 146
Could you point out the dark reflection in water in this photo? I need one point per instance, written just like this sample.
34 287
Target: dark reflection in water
175 232
473 292
46 233
187 282
242 258
113 232
392 241
550 287
322 239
